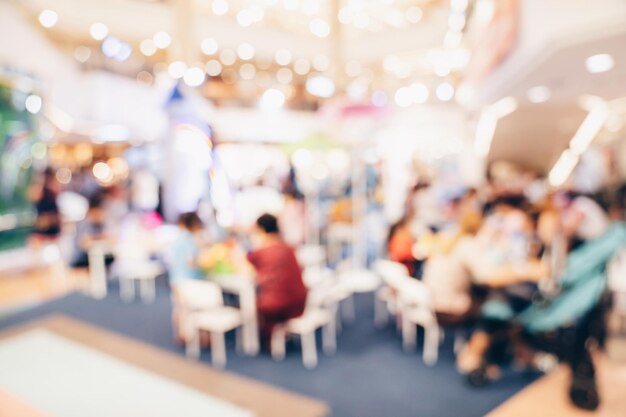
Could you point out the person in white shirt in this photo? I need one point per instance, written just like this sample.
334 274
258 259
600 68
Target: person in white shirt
583 219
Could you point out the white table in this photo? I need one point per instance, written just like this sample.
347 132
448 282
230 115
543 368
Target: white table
244 287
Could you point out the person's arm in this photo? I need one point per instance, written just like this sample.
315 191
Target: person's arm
506 275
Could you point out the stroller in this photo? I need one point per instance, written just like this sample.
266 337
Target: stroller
566 322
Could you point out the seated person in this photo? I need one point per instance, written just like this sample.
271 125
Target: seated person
447 275
281 291
582 218
88 230
400 244
183 266
183 257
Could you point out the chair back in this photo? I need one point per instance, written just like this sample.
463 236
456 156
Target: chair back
414 293
316 276
389 271
311 256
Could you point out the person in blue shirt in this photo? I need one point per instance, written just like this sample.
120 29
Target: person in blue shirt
185 250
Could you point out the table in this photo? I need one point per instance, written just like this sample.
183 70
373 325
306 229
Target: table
243 286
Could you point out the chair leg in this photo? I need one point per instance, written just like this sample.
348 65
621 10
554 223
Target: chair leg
329 338
348 309
408 335
431 344
459 340
147 290
278 343
218 349
381 315
192 341
309 350
127 289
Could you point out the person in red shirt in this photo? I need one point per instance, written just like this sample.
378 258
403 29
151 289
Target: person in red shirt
400 246
281 291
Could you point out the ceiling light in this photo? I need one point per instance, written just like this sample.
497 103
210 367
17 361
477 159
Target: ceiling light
599 63
111 47
245 51
284 75
102 171
283 57
445 91
563 168
48 18
162 39
124 53
33 103
485 130
194 77
228 57
219 7
245 18
345 16
458 5
213 68
247 71
319 27
98 31
209 46
504 107
82 54
272 99
321 63
413 14
320 86
147 47
302 66
177 69
588 130
539 94
403 97
419 93
379 98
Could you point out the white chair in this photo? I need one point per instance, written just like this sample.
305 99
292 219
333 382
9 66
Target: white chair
311 256
203 309
321 312
415 310
133 263
390 272
356 280
317 276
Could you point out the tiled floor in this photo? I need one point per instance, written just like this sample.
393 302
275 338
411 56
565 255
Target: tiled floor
24 288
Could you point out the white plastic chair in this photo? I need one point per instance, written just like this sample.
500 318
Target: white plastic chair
311 256
415 310
320 312
355 280
391 273
133 263
204 309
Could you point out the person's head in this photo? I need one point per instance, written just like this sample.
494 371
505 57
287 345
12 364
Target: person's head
190 222
470 222
268 224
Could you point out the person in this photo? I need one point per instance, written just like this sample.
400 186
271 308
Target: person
87 230
281 291
183 267
400 243
48 220
448 277
583 219
185 250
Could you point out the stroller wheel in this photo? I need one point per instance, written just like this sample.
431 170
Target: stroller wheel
478 377
584 394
